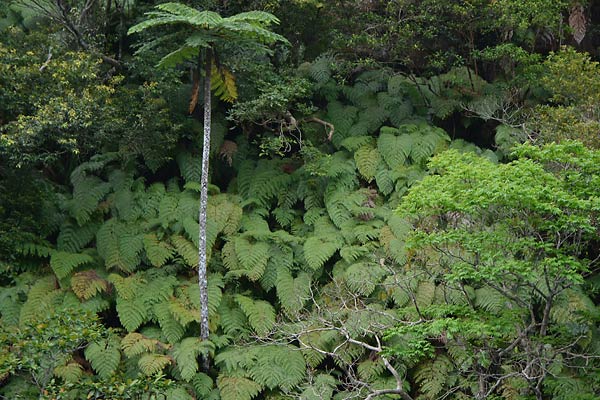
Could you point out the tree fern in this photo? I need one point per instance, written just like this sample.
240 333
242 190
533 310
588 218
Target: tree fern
151 364
88 192
367 160
132 313
319 249
278 366
431 376
186 355
70 372
260 314
363 277
40 299
87 284
190 166
104 356
64 263
292 292
185 249
237 388
134 344
157 251
72 237
171 329
252 257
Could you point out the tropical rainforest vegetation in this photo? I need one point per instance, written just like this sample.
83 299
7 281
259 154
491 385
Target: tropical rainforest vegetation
300 199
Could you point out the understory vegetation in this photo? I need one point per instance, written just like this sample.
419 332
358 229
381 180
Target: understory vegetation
403 199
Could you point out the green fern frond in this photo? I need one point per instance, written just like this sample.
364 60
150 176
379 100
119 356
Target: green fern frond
185 249
363 277
151 364
394 148
171 329
260 314
317 250
157 251
490 299
134 344
70 373
119 245
425 294
64 263
432 376
292 292
278 366
232 319
367 159
186 355
104 356
368 370
87 194
252 257
41 298
132 313
72 237
203 385
237 388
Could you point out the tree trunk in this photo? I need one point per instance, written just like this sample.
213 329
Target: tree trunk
202 257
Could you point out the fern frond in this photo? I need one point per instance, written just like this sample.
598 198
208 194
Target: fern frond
64 263
157 251
151 364
70 373
185 249
260 313
317 250
119 245
292 292
202 384
171 329
237 388
367 159
40 299
87 284
186 355
489 299
132 313
87 194
233 320
425 294
431 376
72 237
363 277
104 356
134 344
223 84
278 366
252 257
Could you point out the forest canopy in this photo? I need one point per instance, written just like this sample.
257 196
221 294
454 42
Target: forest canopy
299 199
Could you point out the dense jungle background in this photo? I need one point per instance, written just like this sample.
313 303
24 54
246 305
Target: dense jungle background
404 199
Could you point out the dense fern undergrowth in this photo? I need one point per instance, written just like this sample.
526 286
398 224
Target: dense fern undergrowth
360 252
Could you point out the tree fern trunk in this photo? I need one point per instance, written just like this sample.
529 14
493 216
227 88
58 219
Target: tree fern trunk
203 262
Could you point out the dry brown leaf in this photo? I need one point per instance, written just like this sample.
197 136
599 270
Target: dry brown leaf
228 150
578 23
195 94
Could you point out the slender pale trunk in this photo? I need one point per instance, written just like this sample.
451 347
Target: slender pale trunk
202 257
